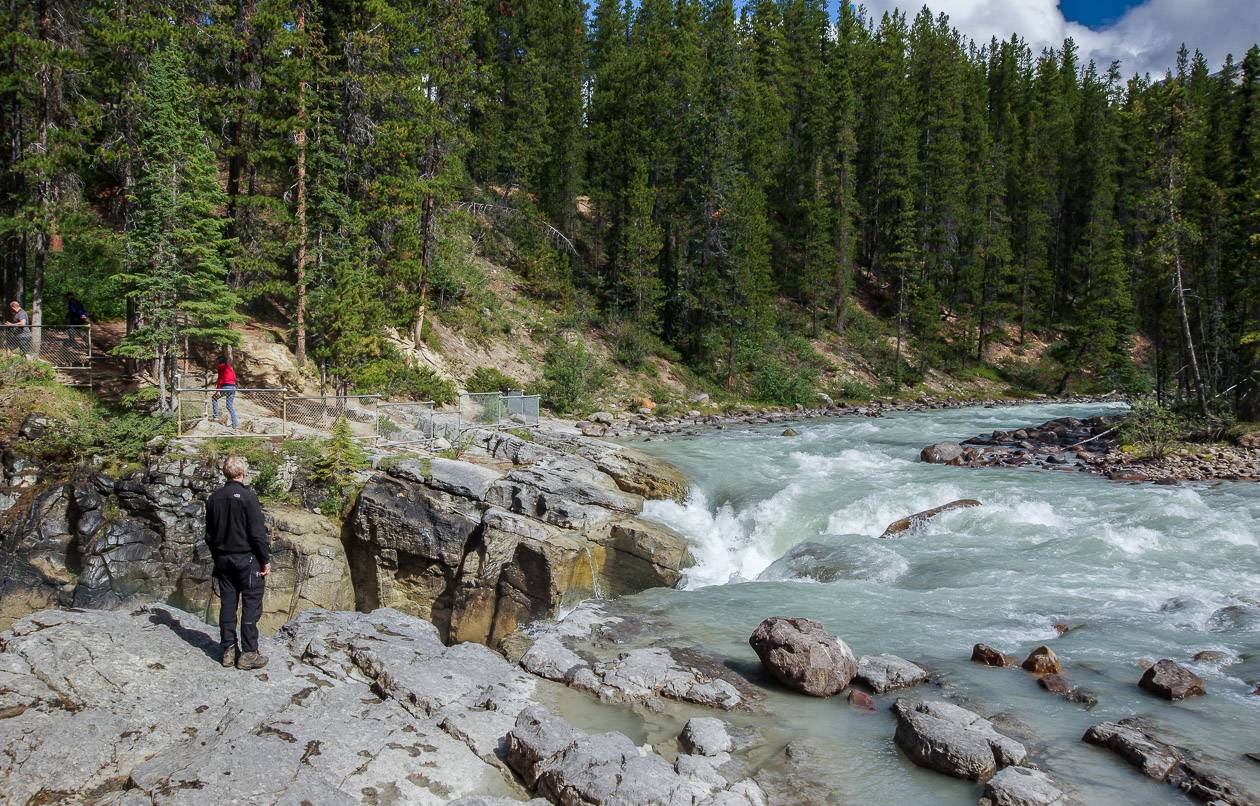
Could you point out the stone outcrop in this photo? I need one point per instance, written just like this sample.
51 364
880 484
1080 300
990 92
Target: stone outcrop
1171 680
917 520
481 552
802 655
952 740
1138 743
119 707
101 542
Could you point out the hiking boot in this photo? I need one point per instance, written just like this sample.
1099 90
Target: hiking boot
251 660
229 657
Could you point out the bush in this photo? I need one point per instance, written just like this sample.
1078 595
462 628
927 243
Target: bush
852 389
392 378
1152 427
775 381
489 379
571 377
19 371
631 345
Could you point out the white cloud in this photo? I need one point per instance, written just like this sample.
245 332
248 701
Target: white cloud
1145 39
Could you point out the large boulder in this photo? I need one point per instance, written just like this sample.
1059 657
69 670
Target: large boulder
802 655
1042 660
1171 680
952 740
941 453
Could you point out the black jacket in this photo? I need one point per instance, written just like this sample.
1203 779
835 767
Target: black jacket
235 524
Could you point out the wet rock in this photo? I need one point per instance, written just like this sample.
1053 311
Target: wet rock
791 432
802 655
884 673
1209 656
941 453
836 559
988 656
1171 681
705 736
1042 660
862 700
1135 741
641 675
918 519
1057 684
1021 786
952 740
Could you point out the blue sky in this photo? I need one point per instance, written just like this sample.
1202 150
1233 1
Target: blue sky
1095 13
1142 34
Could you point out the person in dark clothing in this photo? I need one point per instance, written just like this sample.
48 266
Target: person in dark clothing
76 311
236 534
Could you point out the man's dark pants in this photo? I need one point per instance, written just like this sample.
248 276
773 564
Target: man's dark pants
238 578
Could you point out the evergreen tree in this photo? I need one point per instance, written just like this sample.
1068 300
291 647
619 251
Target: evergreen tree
174 267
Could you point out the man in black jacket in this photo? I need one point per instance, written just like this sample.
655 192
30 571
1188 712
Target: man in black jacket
237 536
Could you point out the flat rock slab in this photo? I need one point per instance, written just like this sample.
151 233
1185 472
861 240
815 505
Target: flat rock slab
139 708
952 740
917 520
802 655
1138 742
884 673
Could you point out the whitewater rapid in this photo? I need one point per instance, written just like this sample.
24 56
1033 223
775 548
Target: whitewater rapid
1140 571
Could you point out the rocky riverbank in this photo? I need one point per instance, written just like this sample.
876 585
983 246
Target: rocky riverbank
476 547
1093 446
644 423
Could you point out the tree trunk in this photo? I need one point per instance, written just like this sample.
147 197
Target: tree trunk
1179 290
427 229
45 189
299 314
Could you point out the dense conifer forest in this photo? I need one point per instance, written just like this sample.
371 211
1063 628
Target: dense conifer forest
712 183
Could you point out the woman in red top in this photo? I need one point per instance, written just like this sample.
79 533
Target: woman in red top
226 386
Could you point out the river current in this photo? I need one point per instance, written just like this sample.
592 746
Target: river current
1138 571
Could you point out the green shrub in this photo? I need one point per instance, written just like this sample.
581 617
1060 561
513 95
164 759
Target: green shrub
395 378
631 345
18 370
775 381
489 379
571 377
852 389
340 457
1152 427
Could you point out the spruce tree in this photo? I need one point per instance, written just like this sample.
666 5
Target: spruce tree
174 266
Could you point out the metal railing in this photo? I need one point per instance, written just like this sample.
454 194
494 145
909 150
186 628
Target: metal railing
403 424
205 412
322 413
63 346
521 409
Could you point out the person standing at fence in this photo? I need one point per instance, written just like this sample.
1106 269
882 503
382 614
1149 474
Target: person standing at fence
19 319
77 318
236 533
225 387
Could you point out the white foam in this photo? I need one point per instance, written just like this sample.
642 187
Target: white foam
727 545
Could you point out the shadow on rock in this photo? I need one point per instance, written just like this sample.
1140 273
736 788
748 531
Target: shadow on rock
194 638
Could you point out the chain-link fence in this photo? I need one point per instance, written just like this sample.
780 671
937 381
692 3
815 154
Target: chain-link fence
63 346
319 414
400 424
205 412
520 408
481 409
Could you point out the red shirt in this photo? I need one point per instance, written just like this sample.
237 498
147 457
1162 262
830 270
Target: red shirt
227 375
